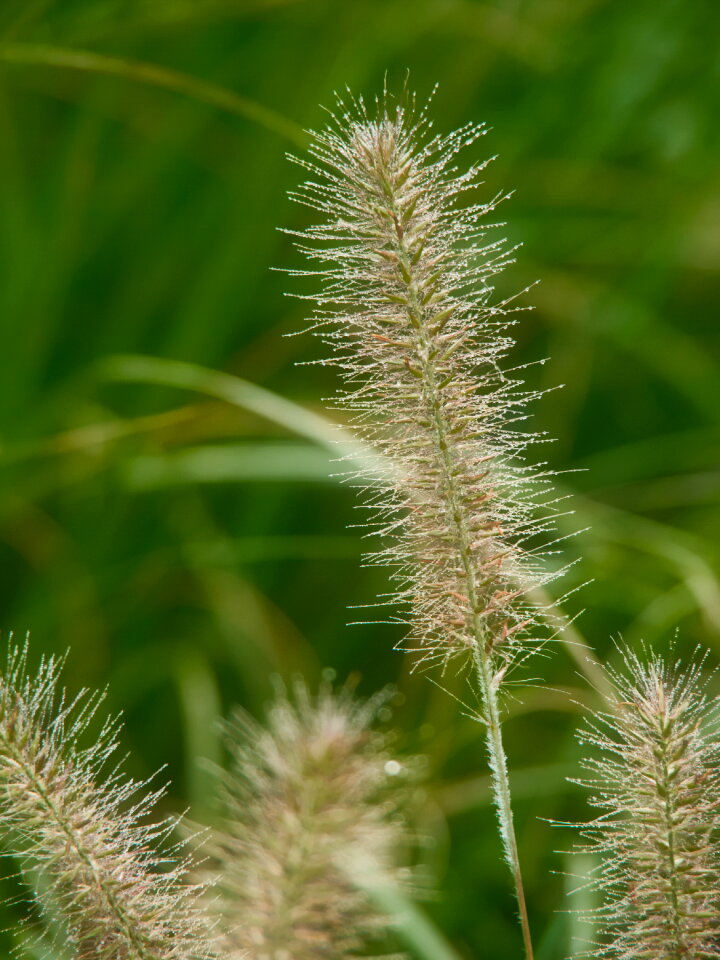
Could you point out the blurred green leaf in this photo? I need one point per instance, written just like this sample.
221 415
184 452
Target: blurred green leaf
229 463
241 393
88 61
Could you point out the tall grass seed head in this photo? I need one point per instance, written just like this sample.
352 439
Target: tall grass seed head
309 796
406 269
118 884
655 777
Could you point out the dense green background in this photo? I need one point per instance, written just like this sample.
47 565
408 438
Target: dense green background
155 532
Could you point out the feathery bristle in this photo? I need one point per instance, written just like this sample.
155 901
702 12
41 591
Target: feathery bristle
119 898
657 780
407 304
308 799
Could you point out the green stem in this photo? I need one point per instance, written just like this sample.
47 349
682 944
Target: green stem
482 658
501 785
439 420
485 672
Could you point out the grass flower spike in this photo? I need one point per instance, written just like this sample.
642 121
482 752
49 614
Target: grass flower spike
657 782
118 899
407 303
308 799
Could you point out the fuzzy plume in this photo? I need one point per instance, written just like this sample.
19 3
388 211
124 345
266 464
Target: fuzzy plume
407 304
309 799
656 778
117 898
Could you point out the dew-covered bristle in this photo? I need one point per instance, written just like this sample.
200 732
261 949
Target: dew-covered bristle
119 886
655 776
407 304
310 798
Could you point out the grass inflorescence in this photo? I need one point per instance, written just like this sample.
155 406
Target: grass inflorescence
120 887
407 303
313 812
655 777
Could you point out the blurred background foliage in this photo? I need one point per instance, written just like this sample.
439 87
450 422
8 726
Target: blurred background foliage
181 530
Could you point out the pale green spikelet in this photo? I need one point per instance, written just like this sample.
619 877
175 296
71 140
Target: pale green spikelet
656 779
309 798
118 896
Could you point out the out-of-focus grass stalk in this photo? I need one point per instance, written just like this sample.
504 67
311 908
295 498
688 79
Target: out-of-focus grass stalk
37 54
249 396
406 917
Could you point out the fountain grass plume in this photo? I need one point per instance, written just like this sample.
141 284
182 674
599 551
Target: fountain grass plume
312 801
655 776
406 302
117 883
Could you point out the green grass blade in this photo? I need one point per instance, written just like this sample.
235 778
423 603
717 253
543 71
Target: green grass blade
241 393
411 923
228 463
34 54
201 707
